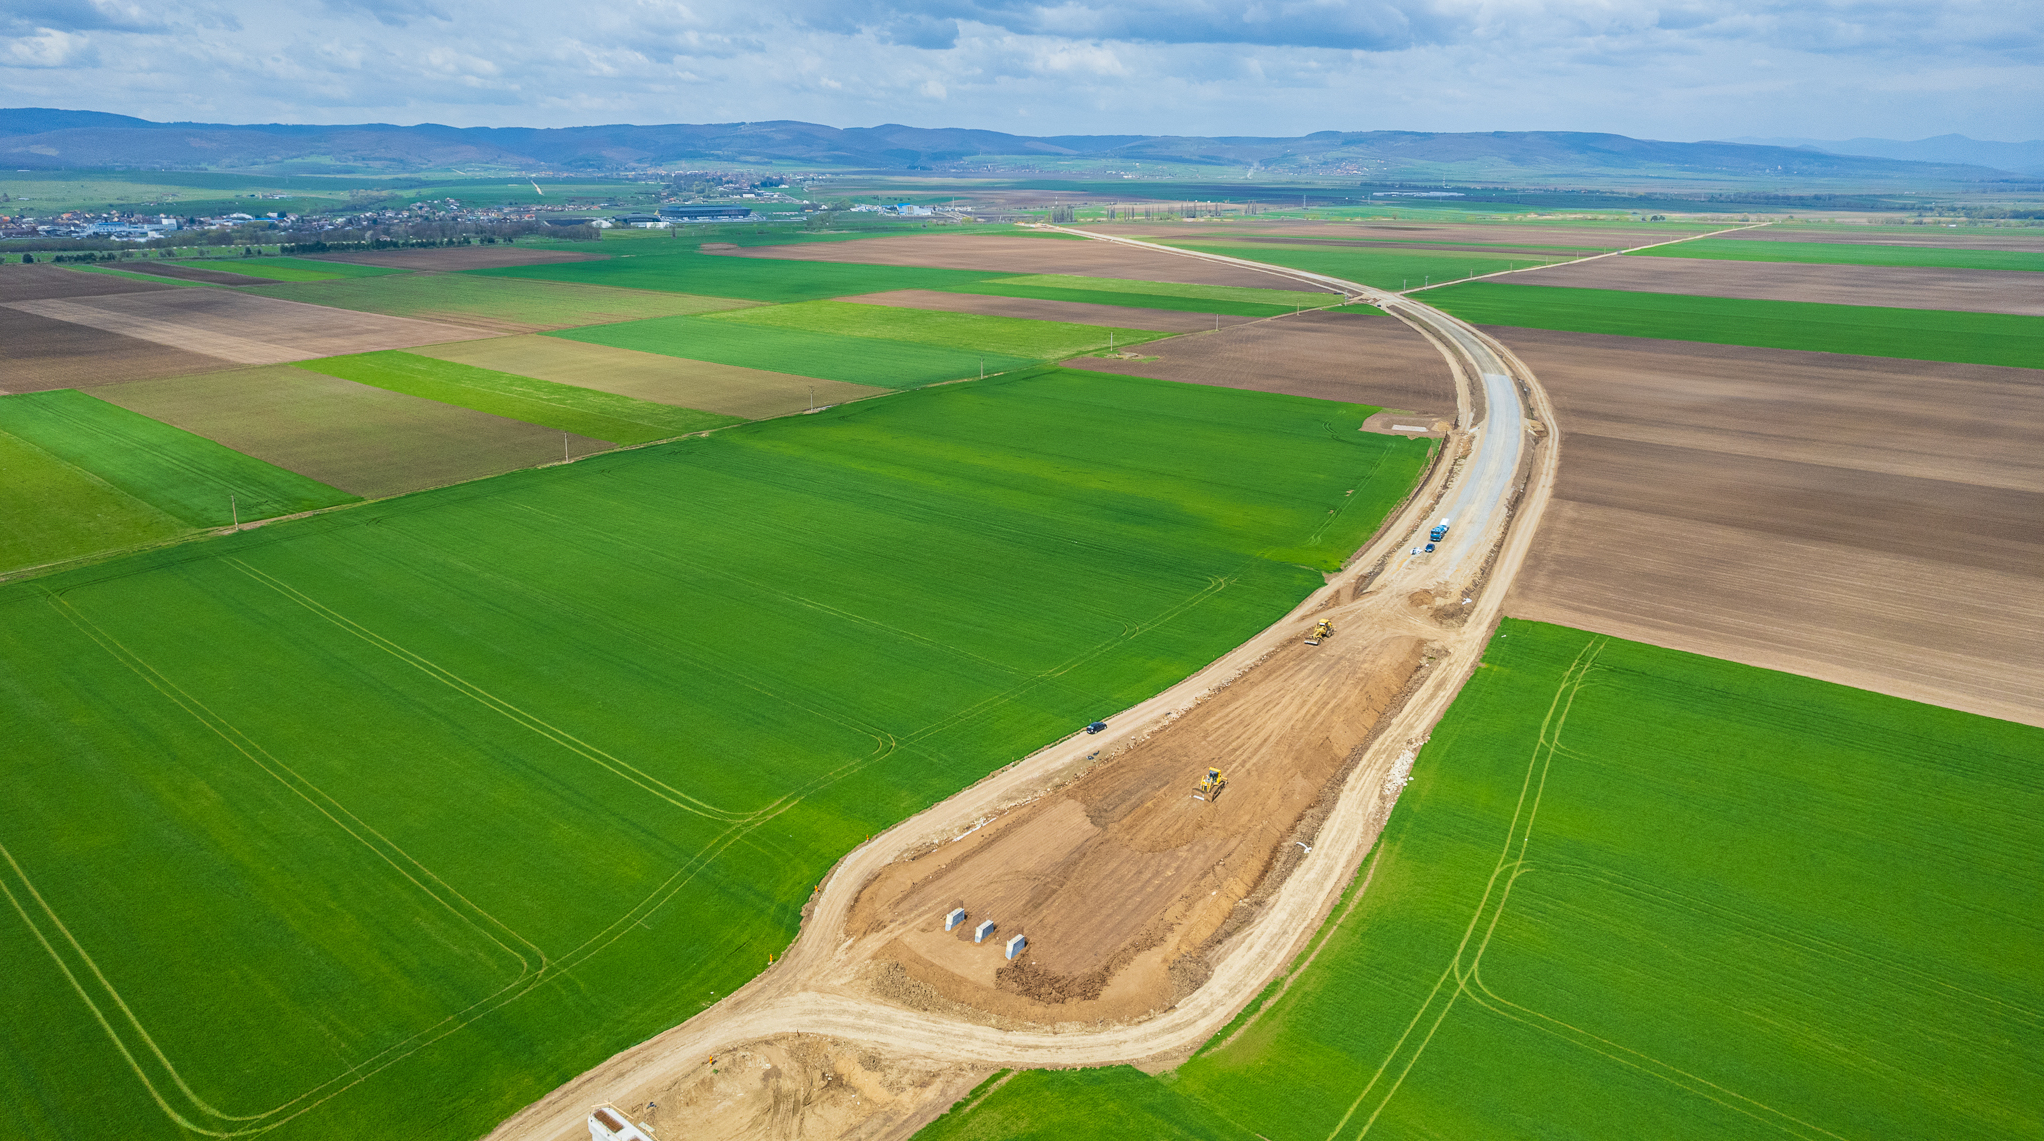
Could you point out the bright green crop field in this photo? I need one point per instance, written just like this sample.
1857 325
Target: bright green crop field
534 304
1850 253
802 352
50 510
187 477
1862 330
1381 267
1632 892
567 407
1008 336
684 269
1239 301
390 819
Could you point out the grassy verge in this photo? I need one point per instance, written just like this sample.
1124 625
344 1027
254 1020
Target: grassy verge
1846 253
1910 334
801 352
448 797
583 411
1635 892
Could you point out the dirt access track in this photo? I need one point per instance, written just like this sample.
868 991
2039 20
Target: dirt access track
1495 476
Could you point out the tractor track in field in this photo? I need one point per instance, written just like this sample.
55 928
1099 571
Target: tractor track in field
891 1068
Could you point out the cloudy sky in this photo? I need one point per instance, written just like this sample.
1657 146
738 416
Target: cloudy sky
1679 69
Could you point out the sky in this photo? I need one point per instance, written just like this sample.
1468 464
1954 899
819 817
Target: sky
1681 70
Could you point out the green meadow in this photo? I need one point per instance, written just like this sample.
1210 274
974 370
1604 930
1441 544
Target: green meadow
1632 892
803 352
676 266
1850 253
1385 268
1008 336
188 478
393 818
534 304
1863 330
566 407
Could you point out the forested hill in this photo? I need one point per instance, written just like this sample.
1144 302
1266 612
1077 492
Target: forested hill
43 138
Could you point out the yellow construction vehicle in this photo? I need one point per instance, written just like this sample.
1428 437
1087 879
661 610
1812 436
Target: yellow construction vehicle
1210 787
1320 632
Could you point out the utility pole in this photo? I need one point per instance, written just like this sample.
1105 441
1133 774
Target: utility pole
235 508
564 447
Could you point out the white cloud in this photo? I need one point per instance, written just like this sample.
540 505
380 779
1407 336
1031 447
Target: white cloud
1652 68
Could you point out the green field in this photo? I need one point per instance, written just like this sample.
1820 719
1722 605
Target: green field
50 510
827 356
1239 301
292 269
1009 336
683 269
1382 267
187 477
1849 253
443 799
529 304
1863 330
583 411
1632 892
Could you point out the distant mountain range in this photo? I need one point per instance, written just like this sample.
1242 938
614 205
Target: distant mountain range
43 138
2023 158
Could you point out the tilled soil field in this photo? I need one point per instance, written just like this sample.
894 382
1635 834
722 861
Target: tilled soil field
244 328
41 282
1133 831
702 385
42 353
1874 522
458 258
367 441
1332 356
1911 287
1076 312
996 253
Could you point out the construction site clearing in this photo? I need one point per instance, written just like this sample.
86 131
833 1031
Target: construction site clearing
1184 865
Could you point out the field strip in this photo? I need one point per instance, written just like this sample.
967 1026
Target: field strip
1543 751
241 350
1581 260
494 703
1760 1111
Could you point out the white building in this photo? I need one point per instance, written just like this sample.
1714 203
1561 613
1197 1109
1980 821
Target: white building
609 1124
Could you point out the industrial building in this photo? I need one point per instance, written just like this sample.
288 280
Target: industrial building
705 213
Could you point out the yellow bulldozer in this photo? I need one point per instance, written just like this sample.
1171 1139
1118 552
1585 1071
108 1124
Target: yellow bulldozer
1210 786
1320 632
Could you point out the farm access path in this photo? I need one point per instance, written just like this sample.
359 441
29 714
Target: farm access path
1494 479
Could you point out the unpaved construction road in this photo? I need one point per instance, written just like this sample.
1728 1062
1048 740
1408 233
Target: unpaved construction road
821 1002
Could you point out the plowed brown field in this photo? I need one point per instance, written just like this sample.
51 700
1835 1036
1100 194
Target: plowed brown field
1910 287
364 440
39 282
243 328
1874 522
1077 312
1332 356
998 253
43 353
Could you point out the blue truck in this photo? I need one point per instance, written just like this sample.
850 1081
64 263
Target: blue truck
1439 532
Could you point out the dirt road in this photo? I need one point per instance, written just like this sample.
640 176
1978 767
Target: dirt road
822 989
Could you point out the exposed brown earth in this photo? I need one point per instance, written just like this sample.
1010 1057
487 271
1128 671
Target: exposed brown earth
703 385
1874 522
41 282
1132 831
364 440
194 273
1935 236
243 328
999 253
1077 312
1333 356
43 353
1901 287
1433 425
458 257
